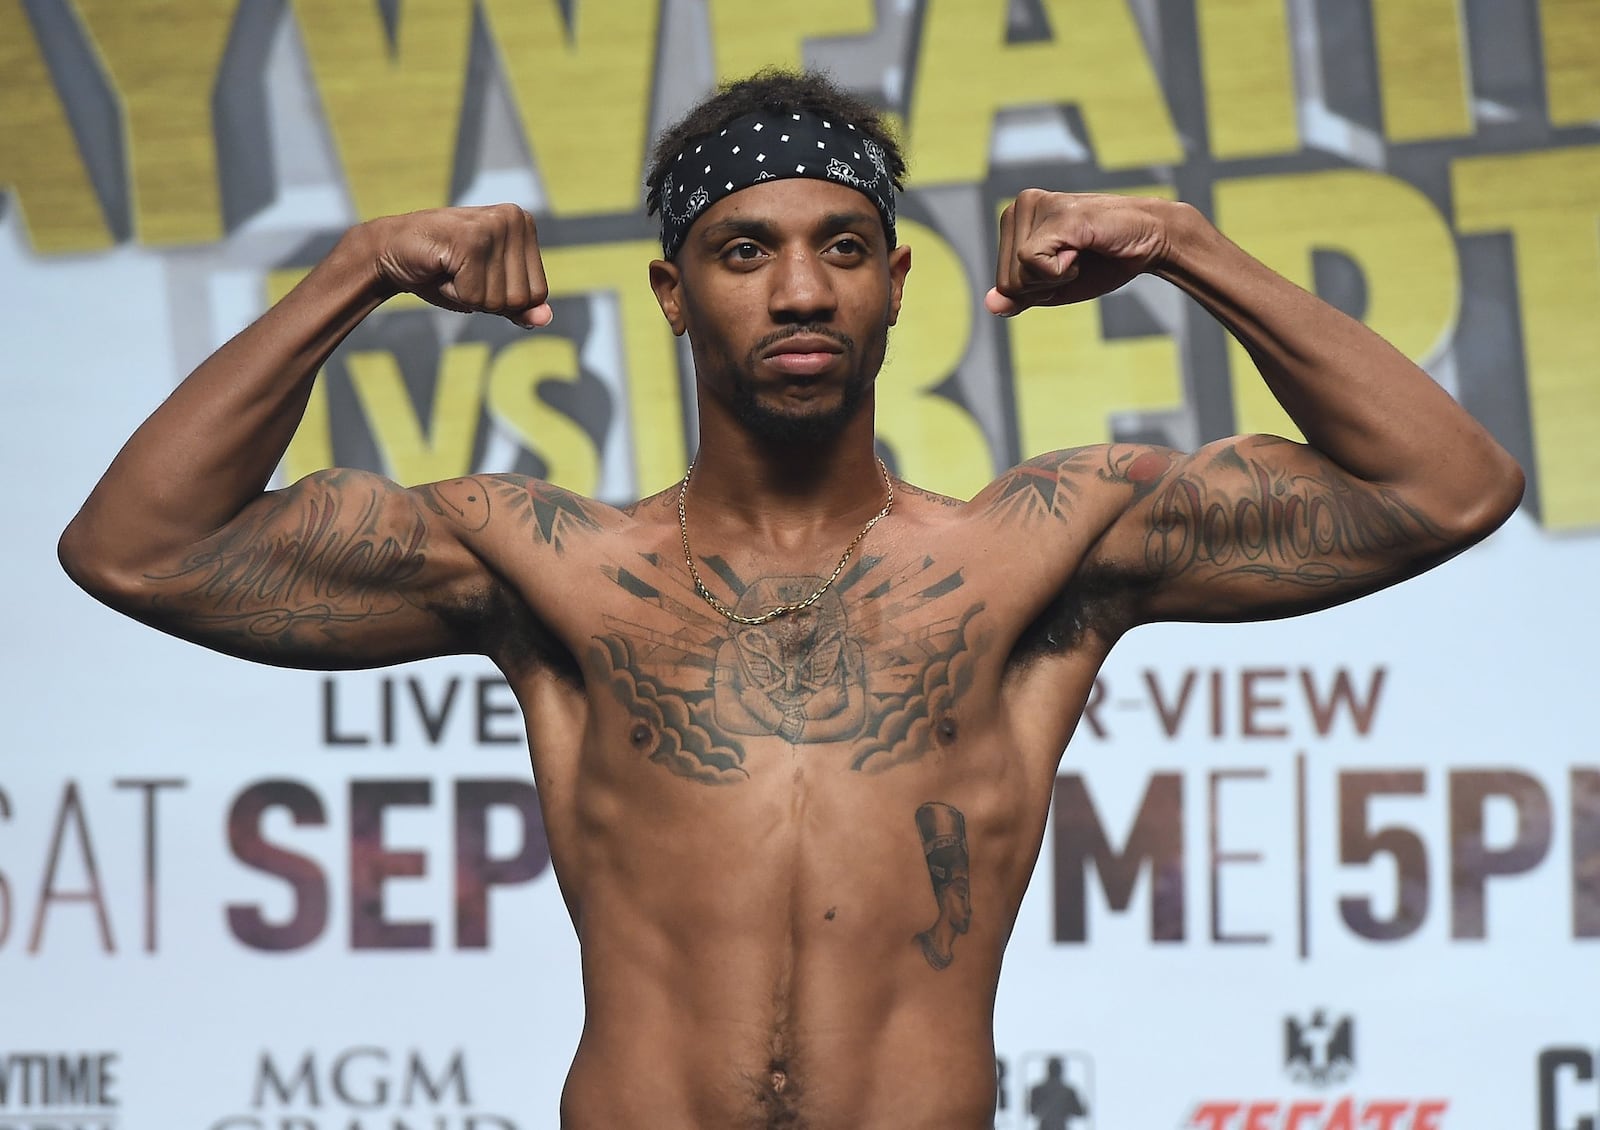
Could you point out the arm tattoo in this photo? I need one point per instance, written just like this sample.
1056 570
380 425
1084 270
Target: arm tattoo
551 515
1313 528
944 845
314 559
1046 487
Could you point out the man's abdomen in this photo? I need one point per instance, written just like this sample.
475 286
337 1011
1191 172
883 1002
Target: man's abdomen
812 947
832 1048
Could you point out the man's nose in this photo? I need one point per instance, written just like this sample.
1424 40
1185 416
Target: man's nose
801 288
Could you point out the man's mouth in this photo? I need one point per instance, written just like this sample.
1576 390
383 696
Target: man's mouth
802 355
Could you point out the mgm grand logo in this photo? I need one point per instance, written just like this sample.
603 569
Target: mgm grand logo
363 1088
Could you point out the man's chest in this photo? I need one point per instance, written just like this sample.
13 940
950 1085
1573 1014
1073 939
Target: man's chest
884 659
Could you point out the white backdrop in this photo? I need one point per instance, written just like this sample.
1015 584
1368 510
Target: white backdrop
127 997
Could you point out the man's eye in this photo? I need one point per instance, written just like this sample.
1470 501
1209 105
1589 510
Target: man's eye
849 245
744 251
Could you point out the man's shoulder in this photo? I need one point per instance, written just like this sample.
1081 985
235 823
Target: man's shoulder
1080 487
554 515
545 541
567 559
1029 544
922 496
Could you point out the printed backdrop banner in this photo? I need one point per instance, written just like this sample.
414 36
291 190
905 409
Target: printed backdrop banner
1341 871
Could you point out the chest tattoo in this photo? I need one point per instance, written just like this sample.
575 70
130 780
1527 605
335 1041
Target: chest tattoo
879 661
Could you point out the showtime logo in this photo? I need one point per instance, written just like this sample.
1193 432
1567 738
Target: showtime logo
1319 1051
58 1090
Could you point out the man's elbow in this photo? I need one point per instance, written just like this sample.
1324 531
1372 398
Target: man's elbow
96 569
1496 497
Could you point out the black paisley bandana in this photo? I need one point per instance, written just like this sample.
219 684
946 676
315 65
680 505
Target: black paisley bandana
770 146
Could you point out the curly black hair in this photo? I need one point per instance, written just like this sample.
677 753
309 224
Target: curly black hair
774 90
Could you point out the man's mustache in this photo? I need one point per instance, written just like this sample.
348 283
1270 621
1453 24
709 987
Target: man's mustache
844 341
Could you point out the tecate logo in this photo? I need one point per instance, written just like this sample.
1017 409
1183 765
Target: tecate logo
1319 1050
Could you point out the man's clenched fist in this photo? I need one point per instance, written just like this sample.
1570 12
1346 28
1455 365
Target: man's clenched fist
466 259
1061 247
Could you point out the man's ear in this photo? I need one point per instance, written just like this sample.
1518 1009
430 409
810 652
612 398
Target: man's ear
899 267
667 282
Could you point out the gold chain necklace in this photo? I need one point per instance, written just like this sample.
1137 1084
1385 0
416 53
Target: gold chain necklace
782 609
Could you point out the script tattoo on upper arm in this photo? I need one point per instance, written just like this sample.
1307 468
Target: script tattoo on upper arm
1312 525
312 558
698 685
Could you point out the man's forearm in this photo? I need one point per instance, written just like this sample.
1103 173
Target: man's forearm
211 448
1357 399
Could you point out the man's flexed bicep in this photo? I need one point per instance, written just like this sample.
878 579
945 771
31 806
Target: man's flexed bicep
1257 527
343 569
1396 476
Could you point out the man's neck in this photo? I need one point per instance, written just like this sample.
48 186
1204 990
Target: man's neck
781 492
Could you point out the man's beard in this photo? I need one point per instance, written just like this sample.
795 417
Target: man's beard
807 424
794 426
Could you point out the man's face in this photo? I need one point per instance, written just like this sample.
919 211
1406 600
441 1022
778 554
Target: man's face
787 290
956 903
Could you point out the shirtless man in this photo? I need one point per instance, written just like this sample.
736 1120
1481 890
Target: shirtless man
794 723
